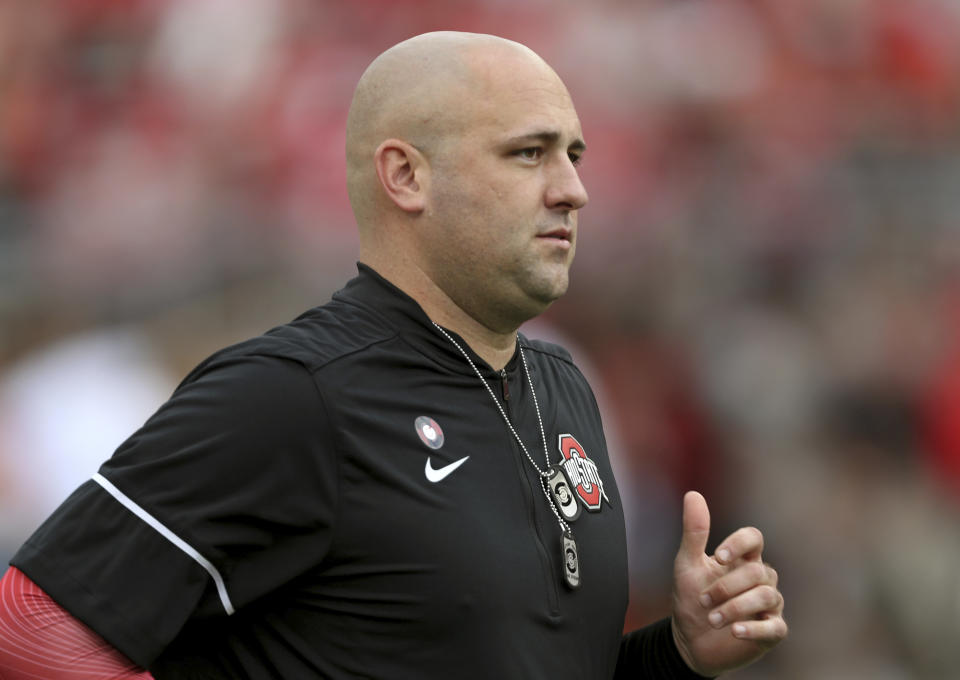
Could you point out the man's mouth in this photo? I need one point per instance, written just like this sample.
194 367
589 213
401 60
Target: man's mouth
560 234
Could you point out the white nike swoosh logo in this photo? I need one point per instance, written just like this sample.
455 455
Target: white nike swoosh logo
435 475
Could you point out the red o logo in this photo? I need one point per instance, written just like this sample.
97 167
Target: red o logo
582 472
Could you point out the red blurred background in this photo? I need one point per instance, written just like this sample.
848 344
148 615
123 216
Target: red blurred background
765 297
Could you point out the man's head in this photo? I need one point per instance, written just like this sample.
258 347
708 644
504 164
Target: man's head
461 153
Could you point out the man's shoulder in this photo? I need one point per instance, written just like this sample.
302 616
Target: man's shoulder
548 350
316 338
556 362
324 334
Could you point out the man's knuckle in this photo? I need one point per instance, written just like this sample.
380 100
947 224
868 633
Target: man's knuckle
725 589
771 597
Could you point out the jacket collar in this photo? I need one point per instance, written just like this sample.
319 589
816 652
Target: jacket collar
402 313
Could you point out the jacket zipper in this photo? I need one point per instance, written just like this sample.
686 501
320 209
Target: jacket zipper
549 568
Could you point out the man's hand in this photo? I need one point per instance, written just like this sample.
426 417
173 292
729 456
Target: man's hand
727 611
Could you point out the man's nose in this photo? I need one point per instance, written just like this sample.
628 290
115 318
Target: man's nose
564 189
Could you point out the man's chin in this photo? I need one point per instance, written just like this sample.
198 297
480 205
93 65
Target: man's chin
559 283
547 294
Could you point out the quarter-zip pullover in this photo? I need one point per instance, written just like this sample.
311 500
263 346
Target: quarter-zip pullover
274 520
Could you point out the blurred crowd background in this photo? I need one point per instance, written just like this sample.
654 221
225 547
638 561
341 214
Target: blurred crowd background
766 295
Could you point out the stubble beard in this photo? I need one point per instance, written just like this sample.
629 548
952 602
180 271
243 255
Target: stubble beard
540 285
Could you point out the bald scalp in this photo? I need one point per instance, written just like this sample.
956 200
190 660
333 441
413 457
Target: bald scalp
418 91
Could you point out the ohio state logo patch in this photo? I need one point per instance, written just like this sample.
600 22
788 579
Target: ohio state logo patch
582 473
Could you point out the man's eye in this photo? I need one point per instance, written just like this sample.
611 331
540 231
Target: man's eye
575 158
532 153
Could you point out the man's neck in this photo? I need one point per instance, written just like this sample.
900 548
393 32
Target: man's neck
493 347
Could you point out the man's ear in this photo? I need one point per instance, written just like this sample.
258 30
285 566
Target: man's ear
402 171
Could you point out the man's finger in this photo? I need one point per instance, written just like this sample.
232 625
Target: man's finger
748 605
746 543
745 576
768 631
696 527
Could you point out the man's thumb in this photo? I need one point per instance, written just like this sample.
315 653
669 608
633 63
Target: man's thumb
696 526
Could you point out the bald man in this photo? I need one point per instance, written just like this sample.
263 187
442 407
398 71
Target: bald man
397 484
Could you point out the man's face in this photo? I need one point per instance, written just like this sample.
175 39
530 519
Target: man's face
504 195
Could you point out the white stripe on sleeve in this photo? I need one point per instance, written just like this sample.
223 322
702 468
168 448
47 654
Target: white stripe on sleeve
130 505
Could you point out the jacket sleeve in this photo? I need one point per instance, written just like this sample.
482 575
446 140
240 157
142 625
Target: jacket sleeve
649 653
40 639
227 493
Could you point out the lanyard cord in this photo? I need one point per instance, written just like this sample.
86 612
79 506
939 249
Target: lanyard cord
542 474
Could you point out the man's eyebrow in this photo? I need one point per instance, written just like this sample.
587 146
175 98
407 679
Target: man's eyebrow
546 137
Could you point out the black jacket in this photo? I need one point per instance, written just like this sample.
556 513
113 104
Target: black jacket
281 515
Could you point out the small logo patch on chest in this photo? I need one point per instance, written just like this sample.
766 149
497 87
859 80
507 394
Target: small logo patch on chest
429 432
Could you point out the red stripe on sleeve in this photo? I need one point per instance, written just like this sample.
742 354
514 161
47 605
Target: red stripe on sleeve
41 639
